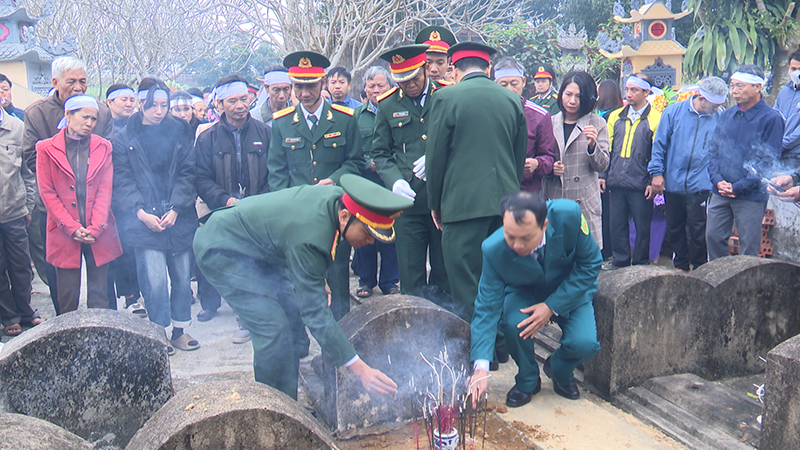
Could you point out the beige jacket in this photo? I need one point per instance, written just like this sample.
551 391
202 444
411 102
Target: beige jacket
17 182
580 182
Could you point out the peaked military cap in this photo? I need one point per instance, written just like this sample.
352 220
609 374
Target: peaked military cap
306 67
470 49
543 71
440 39
373 205
405 61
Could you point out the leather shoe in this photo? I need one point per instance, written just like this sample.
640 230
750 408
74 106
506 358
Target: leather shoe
570 391
516 398
206 315
502 354
494 366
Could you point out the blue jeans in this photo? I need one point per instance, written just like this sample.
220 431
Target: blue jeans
365 265
164 302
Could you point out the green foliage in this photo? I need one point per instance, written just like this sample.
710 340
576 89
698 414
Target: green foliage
591 61
592 15
735 32
531 45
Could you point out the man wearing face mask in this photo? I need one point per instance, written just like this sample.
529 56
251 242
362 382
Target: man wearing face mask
788 103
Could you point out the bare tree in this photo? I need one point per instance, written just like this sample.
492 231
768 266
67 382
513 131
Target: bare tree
353 33
126 40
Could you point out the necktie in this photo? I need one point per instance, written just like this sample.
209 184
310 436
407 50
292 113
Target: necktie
313 119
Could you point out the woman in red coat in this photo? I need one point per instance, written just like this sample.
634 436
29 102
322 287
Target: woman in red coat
75 178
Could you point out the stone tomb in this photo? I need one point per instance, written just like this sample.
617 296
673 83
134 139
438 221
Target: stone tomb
91 372
714 323
781 422
23 432
389 333
231 415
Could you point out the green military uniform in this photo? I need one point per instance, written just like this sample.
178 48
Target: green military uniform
475 151
299 156
267 255
548 102
401 129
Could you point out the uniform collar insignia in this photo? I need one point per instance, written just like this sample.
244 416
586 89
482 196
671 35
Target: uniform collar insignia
296 118
330 115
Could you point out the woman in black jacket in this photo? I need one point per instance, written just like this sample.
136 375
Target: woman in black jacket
154 182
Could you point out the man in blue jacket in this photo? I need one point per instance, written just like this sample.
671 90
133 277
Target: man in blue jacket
788 103
744 148
679 166
541 265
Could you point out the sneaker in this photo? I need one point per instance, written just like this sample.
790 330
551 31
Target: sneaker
241 335
137 310
609 266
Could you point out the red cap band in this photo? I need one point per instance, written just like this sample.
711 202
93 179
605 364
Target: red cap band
368 217
306 72
461 54
405 65
437 46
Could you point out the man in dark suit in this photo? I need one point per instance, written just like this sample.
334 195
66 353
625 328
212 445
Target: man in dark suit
541 265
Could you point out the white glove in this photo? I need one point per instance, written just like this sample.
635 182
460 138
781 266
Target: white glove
403 189
419 168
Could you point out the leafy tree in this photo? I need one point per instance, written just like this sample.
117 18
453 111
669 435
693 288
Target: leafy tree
243 59
736 32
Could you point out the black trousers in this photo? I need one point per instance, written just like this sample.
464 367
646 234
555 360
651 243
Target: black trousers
686 228
624 204
52 279
606 250
15 274
69 284
122 279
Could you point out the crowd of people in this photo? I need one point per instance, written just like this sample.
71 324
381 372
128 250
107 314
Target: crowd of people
118 186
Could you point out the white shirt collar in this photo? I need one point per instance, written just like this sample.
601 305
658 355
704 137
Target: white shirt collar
317 113
541 245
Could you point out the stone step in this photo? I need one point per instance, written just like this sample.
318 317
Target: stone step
546 342
715 403
684 426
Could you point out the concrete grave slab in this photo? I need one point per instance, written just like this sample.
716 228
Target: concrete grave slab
231 415
92 372
23 432
389 333
781 420
715 322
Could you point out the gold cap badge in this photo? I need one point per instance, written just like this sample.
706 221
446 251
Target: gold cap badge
304 63
397 59
435 36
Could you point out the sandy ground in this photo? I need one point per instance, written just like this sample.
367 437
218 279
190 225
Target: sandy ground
552 421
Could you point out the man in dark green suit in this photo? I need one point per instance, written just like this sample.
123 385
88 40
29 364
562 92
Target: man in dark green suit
268 254
315 143
401 127
542 264
475 155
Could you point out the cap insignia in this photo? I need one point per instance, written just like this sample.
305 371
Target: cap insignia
541 69
397 59
305 63
435 36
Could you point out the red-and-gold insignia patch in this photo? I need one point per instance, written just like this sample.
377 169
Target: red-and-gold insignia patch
435 36
397 59
541 69
305 63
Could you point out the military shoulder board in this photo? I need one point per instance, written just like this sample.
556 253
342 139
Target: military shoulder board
535 107
344 109
283 112
387 93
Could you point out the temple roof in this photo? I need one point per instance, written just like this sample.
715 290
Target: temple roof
648 48
10 12
22 52
653 11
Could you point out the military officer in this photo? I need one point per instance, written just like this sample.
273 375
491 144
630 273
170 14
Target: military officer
267 255
543 262
546 96
315 143
439 40
401 127
475 155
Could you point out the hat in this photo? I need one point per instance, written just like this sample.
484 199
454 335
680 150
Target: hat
373 205
470 49
543 72
306 67
405 61
439 39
